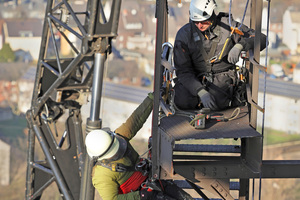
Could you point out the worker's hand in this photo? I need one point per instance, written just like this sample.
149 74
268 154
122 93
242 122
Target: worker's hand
207 100
150 95
147 194
234 53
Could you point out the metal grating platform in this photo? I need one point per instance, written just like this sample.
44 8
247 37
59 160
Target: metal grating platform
178 127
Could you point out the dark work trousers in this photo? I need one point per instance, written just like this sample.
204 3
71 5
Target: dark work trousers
222 88
184 99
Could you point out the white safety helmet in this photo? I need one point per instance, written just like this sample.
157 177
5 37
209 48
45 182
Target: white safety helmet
201 10
102 145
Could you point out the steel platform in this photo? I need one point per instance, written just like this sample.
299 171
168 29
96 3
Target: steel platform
178 126
176 132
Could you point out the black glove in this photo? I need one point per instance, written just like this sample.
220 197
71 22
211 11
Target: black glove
234 53
147 194
207 100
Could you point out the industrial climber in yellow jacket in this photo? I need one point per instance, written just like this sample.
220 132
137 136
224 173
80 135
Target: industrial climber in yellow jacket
115 175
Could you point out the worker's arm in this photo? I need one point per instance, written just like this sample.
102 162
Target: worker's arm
104 180
136 120
188 61
247 40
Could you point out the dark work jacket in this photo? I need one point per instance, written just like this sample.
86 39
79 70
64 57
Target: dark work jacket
190 63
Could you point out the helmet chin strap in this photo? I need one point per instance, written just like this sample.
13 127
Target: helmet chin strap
213 20
121 151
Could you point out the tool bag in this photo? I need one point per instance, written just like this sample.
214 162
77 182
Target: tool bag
223 87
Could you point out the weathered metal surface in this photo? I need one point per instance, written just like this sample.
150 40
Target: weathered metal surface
179 128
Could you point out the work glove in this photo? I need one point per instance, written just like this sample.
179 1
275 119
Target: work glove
207 100
150 95
147 194
234 53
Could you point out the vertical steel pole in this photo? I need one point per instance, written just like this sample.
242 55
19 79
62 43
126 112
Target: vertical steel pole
93 122
87 191
106 30
30 159
255 23
97 86
244 189
258 20
161 14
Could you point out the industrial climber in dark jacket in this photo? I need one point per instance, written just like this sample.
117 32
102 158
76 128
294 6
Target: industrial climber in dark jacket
205 53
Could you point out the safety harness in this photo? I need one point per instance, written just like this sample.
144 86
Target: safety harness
140 170
116 167
143 165
207 79
210 57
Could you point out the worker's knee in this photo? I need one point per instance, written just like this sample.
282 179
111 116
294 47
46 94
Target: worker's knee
184 99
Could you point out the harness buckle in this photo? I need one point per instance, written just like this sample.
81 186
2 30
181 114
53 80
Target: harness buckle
213 59
207 78
114 167
143 166
151 185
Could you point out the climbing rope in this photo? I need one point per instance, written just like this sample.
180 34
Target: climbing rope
265 85
265 74
230 4
235 113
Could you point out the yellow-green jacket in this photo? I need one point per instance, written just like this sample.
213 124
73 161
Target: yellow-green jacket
107 182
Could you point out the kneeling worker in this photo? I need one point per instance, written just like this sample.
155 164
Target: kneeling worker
115 175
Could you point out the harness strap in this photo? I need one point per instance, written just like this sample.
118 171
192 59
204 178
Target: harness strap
119 167
208 82
210 57
116 167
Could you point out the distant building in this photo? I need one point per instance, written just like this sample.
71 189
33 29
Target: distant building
1 33
291 30
22 9
6 113
8 94
282 108
23 34
282 113
137 25
296 74
26 84
133 28
275 29
4 163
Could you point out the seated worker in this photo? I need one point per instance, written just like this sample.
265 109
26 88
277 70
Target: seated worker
205 65
115 174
